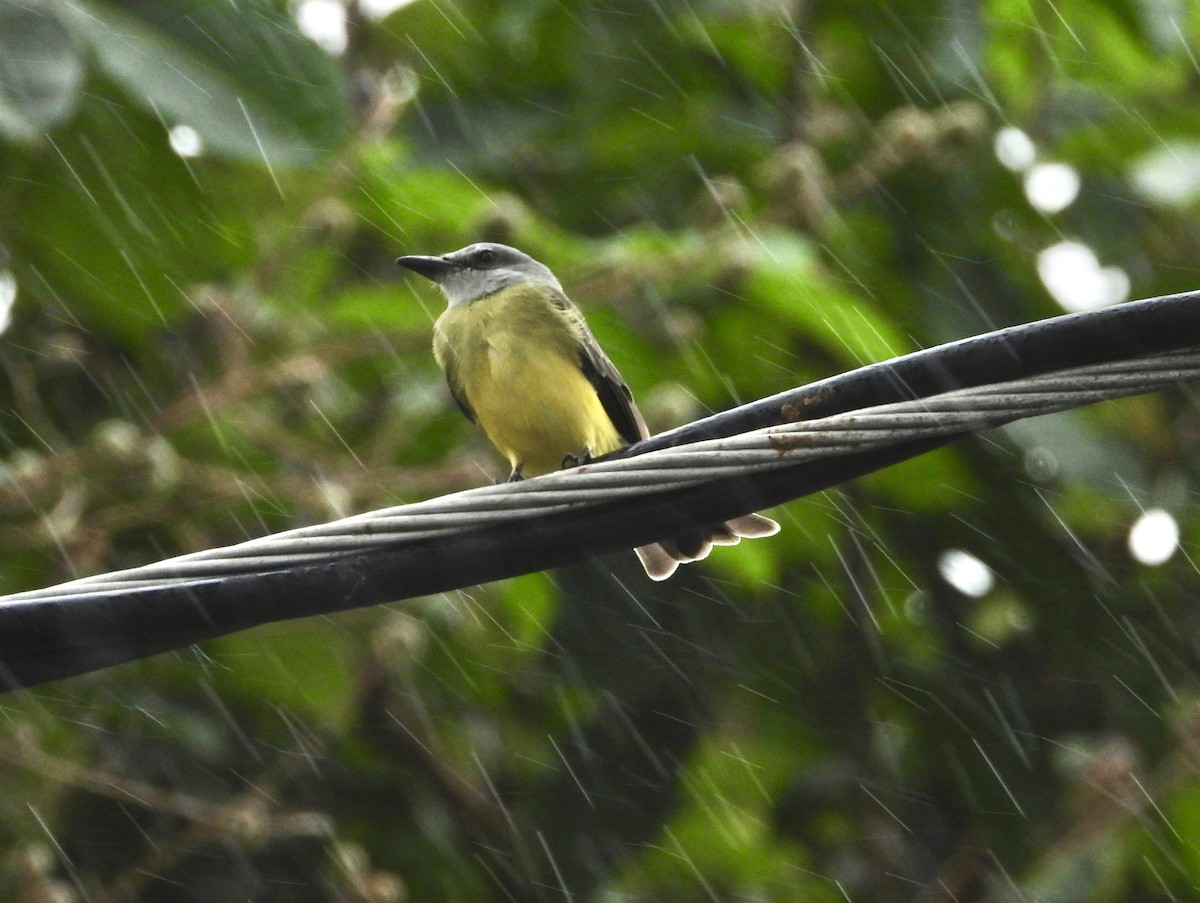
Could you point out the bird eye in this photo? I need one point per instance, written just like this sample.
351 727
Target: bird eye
485 257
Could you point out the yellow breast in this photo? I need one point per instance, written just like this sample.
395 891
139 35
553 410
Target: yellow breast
514 358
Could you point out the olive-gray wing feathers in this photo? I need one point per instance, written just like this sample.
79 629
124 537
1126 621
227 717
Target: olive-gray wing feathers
449 364
611 389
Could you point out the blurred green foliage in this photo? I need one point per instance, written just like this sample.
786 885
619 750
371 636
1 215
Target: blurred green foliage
209 341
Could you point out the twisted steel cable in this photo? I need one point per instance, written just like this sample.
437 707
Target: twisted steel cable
768 448
748 458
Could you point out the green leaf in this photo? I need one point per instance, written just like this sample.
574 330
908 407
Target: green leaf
389 306
788 283
420 210
40 71
932 482
115 238
237 72
303 665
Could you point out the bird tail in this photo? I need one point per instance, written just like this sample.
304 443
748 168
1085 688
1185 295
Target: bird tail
662 558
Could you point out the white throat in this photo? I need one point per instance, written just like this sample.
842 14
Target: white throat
467 285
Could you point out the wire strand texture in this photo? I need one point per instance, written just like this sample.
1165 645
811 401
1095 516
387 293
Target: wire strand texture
947 414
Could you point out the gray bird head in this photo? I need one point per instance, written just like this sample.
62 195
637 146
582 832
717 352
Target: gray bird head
479 270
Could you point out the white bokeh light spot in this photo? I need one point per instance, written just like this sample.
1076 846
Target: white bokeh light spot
324 23
1014 149
1169 174
1072 274
381 9
185 141
1051 187
1154 537
8 297
966 573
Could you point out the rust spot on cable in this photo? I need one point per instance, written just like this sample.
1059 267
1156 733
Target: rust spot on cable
792 413
785 444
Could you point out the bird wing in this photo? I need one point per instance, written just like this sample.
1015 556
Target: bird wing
460 399
602 373
448 361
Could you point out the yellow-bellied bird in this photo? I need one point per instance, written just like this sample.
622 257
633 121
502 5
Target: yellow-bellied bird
522 363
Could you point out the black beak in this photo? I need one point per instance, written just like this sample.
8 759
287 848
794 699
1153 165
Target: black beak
432 268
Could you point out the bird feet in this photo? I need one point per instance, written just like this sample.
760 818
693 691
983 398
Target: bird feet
584 457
